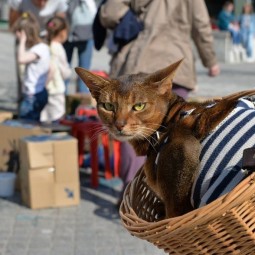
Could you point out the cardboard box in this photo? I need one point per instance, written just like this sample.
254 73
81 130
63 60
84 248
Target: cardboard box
36 154
37 188
10 133
4 115
54 159
67 194
55 150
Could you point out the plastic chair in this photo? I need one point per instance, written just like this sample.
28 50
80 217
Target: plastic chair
92 112
86 111
91 130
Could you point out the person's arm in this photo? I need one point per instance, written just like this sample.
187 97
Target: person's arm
203 37
112 11
24 56
62 8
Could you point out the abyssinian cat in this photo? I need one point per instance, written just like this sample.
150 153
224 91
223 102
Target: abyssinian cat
174 134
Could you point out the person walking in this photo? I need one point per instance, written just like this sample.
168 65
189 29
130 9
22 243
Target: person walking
247 30
57 32
168 30
228 22
35 55
80 15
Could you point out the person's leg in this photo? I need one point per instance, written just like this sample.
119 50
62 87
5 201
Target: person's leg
40 102
130 164
32 105
69 48
249 48
244 39
181 91
236 36
85 51
26 106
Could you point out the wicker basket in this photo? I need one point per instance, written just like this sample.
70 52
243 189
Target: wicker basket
225 226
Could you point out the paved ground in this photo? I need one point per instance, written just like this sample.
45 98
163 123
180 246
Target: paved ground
94 226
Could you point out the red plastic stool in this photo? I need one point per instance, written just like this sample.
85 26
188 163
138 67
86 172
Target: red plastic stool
85 111
89 112
92 130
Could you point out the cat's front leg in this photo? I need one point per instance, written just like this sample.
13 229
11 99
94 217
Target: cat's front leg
177 166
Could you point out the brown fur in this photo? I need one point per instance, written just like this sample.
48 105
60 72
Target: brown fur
179 158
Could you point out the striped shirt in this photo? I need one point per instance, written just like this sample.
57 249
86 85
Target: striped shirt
221 155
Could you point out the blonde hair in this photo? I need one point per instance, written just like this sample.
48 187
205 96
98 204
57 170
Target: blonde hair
29 24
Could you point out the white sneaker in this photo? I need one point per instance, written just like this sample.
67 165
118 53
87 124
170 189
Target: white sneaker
249 60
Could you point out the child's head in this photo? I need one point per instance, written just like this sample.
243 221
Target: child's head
247 8
28 23
57 29
228 6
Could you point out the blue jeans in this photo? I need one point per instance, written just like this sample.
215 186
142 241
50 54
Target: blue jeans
236 36
85 50
247 41
31 105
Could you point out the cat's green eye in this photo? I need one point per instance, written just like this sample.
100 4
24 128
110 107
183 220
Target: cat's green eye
108 106
139 106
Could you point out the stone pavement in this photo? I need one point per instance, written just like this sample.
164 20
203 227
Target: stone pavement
94 226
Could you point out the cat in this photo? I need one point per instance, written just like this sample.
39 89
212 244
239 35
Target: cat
143 110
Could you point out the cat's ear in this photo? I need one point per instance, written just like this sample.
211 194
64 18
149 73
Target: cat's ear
93 81
164 77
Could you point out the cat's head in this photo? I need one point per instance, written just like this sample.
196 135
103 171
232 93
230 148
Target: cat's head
131 106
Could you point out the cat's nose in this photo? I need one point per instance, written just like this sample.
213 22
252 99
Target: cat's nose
119 125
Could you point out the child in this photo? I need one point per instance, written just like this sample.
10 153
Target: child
247 29
35 55
60 70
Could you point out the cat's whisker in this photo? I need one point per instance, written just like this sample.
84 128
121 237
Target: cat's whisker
149 130
96 131
144 134
146 138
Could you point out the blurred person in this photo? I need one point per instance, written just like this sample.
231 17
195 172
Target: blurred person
35 55
80 14
43 10
168 28
57 32
247 29
227 22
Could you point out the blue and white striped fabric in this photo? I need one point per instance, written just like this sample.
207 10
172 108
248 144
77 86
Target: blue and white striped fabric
221 155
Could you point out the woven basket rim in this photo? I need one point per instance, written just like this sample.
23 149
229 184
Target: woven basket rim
243 191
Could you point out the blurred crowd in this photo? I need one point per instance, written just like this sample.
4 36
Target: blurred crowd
241 27
47 32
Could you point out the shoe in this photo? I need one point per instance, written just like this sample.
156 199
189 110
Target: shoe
249 60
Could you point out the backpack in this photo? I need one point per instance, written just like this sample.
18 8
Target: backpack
81 14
